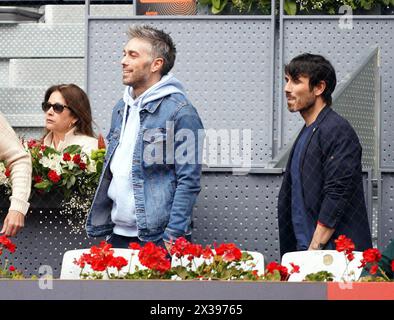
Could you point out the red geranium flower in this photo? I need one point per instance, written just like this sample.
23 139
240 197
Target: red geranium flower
229 251
101 256
272 266
118 262
134 246
370 256
207 253
77 159
82 165
154 257
180 247
66 156
392 265
295 268
7 243
53 176
37 179
344 243
350 256
194 251
83 260
43 148
373 269
12 268
32 143
7 172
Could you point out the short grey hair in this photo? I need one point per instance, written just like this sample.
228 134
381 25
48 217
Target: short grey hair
162 44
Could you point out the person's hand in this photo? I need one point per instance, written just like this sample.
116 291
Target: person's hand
13 222
321 237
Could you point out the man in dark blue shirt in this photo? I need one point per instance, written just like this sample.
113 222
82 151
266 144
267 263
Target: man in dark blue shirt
303 225
322 191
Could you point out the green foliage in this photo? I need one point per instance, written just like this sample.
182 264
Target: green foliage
370 278
217 269
240 6
321 276
274 276
292 7
388 3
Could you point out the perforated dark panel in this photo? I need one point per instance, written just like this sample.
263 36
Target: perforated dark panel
44 239
386 218
239 209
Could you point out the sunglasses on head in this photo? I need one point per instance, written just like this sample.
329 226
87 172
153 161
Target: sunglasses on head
57 107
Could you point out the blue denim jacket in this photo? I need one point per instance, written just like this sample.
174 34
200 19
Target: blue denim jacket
165 192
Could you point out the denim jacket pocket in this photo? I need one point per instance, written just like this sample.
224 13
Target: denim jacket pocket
154 146
154 135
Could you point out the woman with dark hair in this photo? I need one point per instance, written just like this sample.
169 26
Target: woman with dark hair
68 118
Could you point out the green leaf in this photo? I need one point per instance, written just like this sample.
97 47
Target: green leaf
43 184
331 11
73 149
216 4
367 4
321 276
220 9
275 276
67 193
49 150
290 7
205 2
70 182
99 167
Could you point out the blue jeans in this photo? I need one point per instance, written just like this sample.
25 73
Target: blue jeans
123 242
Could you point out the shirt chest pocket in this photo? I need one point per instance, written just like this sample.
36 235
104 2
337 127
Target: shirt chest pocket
154 146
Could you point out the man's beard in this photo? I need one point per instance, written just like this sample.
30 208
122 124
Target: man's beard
309 104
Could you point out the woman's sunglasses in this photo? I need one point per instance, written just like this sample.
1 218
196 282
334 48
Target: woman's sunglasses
57 107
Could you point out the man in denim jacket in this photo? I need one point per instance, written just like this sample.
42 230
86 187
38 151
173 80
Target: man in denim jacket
152 169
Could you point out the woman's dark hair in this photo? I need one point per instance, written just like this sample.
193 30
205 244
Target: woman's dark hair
79 105
316 68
